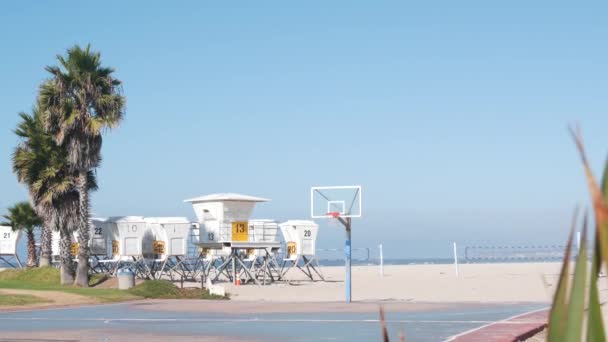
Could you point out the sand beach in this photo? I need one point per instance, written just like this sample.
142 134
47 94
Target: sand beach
478 283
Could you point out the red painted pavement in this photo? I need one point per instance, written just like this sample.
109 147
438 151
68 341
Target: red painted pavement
508 330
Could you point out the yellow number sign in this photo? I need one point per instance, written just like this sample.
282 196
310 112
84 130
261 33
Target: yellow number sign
114 247
159 247
205 253
291 248
240 231
74 249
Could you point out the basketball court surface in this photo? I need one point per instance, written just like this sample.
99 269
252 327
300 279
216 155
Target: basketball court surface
191 320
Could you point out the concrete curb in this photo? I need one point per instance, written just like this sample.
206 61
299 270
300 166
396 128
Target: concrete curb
530 333
512 329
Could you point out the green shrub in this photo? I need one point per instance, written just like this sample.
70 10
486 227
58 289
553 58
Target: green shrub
163 289
155 289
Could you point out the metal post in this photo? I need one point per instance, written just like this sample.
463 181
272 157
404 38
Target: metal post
234 266
455 259
381 261
347 250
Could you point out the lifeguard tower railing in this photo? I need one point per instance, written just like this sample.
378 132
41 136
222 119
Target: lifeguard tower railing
257 231
193 241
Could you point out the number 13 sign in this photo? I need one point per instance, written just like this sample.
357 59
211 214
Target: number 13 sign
240 231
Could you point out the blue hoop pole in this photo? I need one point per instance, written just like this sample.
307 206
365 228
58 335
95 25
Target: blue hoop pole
347 250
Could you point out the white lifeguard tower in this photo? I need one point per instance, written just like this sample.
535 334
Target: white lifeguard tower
300 238
100 243
132 242
100 238
8 246
170 246
225 231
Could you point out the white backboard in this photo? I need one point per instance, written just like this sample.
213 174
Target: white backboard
328 201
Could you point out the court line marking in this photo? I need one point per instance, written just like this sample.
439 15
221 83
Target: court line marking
504 321
67 307
258 320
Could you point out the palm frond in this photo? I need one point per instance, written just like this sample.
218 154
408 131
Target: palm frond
568 321
559 313
597 197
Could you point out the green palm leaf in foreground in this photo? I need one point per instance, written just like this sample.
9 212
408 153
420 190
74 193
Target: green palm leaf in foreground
568 319
559 311
567 316
598 199
576 305
595 325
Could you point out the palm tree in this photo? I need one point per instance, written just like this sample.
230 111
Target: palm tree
79 102
42 166
21 216
60 201
63 211
32 156
61 206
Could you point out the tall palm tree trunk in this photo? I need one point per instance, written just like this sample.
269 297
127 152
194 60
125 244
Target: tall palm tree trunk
82 271
46 244
31 249
65 256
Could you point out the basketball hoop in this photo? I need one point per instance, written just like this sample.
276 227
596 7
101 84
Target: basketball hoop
334 214
341 203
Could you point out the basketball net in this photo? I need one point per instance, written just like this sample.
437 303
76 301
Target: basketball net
333 219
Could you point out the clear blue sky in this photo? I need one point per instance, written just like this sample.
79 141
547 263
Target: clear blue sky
452 114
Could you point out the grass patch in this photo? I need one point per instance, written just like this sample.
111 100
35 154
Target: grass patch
19 300
43 275
47 279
